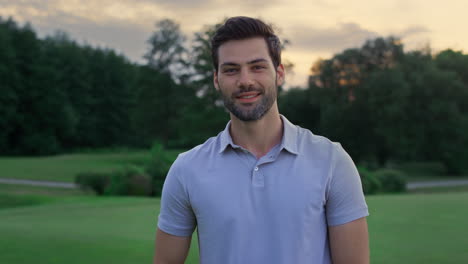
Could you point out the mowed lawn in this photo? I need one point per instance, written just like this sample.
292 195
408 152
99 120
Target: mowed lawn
65 167
81 229
409 228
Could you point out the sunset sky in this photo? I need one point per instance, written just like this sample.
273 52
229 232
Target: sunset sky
315 28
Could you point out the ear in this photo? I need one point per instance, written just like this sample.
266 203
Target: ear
280 75
215 80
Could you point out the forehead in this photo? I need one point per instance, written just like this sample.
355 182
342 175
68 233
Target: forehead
242 51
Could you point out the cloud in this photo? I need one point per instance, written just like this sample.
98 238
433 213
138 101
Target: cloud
344 35
124 25
315 39
97 11
179 3
412 31
122 37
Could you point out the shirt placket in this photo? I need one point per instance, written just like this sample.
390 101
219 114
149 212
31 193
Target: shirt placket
258 171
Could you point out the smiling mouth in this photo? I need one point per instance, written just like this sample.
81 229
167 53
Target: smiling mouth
248 97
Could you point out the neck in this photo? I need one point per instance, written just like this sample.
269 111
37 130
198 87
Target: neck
258 136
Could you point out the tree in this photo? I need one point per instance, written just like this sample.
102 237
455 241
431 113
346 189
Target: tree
158 104
455 61
202 64
437 113
166 50
384 101
112 97
162 87
347 82
8 84
301 107
34 123
346 71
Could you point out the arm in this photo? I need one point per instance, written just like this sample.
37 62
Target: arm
171 249
349 243
176 218
346 210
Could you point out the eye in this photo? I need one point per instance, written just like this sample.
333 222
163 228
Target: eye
230 70
258 67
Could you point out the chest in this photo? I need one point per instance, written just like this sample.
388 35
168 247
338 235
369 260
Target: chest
288 190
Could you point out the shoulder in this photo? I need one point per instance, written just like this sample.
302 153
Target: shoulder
317 145
197 156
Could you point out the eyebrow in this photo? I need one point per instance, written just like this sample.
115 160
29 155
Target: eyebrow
249 62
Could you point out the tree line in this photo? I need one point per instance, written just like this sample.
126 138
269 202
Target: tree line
59 96
382 103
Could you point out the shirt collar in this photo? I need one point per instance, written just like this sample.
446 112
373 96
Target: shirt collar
290 133
288 142
225 138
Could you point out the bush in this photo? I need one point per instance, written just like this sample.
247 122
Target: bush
370 183
158 167
129 181
96 181
391 180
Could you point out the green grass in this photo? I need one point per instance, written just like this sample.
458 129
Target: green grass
9 201
19 190
407 228
419 228
25 195
65 167
81 230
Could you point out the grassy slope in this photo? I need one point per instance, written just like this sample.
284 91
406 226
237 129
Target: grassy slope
416 228
24 195
65 167
80 230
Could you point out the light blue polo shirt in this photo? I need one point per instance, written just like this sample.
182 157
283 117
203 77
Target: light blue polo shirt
273 210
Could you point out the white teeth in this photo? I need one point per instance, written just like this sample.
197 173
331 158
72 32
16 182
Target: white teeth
248 96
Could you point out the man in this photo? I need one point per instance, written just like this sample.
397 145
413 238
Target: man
263 190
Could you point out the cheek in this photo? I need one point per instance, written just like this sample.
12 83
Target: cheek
225 83
224 87
268 80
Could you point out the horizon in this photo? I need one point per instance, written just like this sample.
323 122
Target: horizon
125 26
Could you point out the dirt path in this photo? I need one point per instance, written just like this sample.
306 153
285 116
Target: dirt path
430 184
53 184
66 185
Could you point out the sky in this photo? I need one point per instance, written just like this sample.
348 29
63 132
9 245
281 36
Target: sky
315 28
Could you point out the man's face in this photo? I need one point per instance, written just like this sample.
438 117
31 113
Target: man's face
247 79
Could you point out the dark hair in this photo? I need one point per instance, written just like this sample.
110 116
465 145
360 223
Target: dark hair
240 27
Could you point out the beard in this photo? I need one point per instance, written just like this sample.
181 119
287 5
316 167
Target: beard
250 114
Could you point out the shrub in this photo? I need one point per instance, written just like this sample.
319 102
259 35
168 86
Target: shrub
370 183
391 180
158 167
129 181
96 181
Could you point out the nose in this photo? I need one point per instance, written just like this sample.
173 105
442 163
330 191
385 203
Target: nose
245 79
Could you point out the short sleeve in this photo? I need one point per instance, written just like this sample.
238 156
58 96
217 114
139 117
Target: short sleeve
176 216
345 198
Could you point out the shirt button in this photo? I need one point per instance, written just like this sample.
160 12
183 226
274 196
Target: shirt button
256 169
